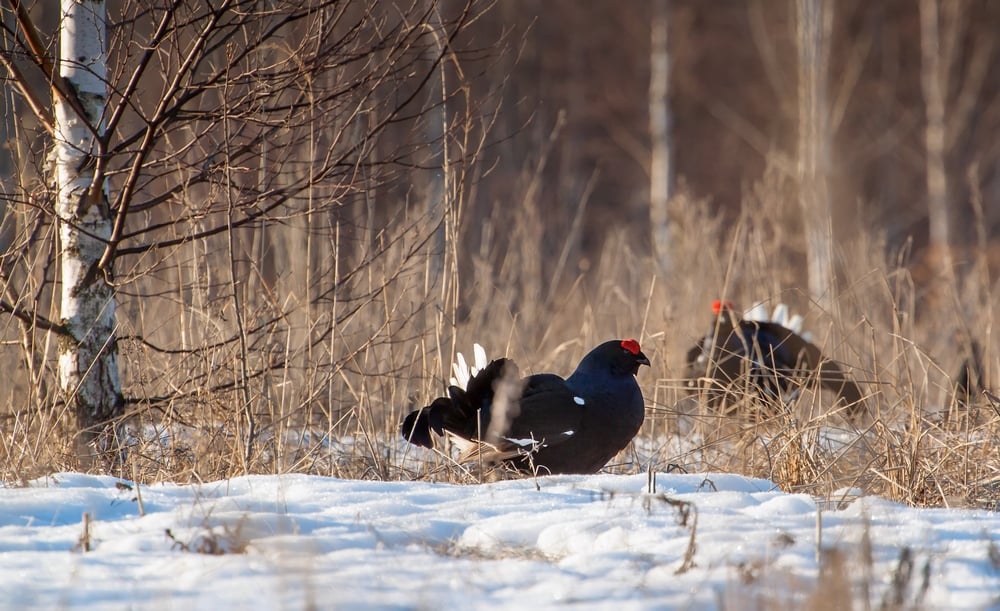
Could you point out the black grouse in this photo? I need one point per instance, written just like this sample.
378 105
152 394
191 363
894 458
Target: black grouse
542 423
774 359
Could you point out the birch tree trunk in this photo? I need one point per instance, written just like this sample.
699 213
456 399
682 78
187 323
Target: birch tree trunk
660 166
813 35
88 354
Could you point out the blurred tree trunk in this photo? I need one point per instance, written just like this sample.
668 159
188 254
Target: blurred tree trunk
660 166
438 201
88 352
934 82
435 128
814 21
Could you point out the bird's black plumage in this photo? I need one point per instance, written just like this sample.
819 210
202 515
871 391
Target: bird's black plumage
771 359
543 423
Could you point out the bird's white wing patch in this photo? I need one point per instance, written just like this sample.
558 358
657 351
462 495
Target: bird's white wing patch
524 443
578 400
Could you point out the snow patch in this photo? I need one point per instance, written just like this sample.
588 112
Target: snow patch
601 540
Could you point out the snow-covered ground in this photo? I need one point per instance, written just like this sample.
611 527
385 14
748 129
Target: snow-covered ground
602 541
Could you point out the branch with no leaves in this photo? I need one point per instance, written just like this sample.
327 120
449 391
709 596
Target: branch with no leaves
42 59
33 319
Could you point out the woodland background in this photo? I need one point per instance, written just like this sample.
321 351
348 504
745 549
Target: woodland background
510 204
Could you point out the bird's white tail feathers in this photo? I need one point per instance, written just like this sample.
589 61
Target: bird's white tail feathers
781 315
463 372
504 407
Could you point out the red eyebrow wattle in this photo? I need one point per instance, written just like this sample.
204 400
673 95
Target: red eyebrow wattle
718 305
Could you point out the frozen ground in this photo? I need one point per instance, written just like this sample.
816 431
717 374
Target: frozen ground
296 541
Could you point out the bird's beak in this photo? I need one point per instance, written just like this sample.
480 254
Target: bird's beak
642 359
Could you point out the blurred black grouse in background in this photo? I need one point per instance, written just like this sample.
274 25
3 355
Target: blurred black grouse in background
541 423
764 355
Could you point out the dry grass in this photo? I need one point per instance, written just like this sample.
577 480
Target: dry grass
333 380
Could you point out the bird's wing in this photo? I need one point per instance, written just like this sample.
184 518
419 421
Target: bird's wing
797 357
549 410
781 349
465 412
547 414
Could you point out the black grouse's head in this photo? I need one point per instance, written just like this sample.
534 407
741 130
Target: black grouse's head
619 357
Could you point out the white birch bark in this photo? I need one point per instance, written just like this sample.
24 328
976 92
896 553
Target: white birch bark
660 166
88 358
813 35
